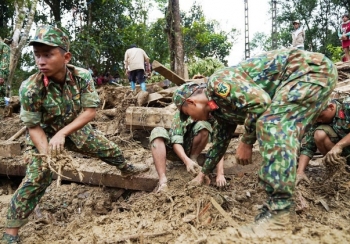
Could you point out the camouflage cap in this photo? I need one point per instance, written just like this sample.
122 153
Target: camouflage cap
182 93
51 36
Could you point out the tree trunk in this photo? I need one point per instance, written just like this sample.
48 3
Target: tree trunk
175 38
22 22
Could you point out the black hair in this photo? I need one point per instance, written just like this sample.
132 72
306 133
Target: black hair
133 45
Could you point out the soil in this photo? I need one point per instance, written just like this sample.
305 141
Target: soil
80 213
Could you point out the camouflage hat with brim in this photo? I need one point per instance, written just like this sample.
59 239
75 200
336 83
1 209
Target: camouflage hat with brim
182 93
51 36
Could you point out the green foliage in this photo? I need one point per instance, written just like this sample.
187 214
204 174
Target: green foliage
205 67
336 52
203 38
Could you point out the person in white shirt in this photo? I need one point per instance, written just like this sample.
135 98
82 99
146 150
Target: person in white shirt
298 35
134 60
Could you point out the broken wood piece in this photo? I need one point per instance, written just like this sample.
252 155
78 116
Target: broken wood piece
167 73
18 134
223 213
110 112
137 236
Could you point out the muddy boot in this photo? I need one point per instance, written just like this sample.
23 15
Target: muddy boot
267 223
133 169
7 238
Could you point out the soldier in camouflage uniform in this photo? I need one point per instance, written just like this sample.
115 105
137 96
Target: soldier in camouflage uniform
4 70
330 135
275 95
184 142
57 104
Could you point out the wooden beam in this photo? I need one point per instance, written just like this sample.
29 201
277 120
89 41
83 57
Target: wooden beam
95 173
167 73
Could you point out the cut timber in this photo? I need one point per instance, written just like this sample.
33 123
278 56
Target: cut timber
168 74
161 94
149 118
10 148
95 173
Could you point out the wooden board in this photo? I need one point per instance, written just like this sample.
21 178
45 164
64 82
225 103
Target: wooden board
167 73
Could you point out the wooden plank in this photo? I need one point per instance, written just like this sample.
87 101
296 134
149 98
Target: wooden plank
167 73
148 118
95 173
10 148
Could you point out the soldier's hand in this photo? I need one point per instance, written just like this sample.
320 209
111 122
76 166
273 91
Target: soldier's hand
301 177
56 144
333 156
244 153
220 180
192 167
199 180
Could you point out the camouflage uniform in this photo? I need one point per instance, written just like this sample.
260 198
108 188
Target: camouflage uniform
46 103
4 69
181 132
275 95
337 130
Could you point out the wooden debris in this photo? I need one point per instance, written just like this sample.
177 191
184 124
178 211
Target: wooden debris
167 73
18 134
141 235
223 213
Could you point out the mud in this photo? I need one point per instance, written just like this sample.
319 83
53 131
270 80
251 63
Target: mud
78 213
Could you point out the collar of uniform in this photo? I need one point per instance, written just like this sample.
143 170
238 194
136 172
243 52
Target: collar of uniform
339 110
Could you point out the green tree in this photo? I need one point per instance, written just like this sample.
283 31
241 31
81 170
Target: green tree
203 38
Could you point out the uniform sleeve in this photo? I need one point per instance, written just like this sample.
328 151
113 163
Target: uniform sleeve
222 134
308 146
246 98
31 104
177 130
5 60
89 96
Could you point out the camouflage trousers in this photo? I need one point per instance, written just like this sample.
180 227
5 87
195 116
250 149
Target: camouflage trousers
160 132
37 179
280 129
333 136
2 95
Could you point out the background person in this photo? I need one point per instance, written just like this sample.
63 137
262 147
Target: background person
135 60
344 35
298 35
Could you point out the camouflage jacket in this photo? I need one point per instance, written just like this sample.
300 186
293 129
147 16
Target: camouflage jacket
340 125
180 128
53 107
4 60
244 92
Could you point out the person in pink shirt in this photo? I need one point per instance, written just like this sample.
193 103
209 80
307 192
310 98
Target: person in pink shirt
344 35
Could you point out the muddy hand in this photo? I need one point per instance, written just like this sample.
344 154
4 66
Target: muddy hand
199 180
56 144
244 153
220 180
333 156
301 177
193 168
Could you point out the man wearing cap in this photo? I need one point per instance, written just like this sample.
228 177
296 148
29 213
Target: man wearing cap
184 142
330 135
4 70
298 35
57 104
275 95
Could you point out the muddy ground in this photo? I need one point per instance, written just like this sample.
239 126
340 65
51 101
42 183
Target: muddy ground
80 213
